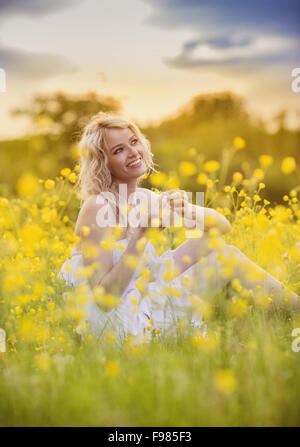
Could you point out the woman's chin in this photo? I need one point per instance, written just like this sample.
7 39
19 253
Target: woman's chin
138 171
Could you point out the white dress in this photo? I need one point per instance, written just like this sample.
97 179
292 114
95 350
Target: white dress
137 314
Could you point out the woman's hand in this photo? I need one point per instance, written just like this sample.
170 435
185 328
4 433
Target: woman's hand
194 216
176 199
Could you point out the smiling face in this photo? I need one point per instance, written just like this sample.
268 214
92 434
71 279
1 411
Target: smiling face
125 153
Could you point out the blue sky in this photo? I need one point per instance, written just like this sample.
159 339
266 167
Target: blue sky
154 55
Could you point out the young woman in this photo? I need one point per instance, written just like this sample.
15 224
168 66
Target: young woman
114 157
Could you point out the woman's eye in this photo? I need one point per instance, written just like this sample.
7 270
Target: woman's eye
134 141
118 150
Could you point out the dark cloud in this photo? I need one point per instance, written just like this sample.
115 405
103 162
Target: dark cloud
276 16
32 7
223 26
26 65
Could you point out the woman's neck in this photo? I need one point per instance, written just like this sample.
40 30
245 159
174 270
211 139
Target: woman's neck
125 189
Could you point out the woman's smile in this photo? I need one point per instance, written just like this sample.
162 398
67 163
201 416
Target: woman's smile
136 163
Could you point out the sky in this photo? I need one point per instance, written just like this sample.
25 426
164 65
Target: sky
153 55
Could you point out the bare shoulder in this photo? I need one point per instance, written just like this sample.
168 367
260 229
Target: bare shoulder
88 212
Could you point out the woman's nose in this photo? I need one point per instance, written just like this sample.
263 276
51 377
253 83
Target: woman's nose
133 151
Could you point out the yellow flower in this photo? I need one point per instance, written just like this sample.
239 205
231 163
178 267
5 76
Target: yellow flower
3 203
187 168
239 143
49 184
48 214
132 261
27 184
211 166
288 165
256 198
206 343
238 307
237 177
158 178
112 368
202 178
72 177
225 381
85 230
265 160
259 174
173 182
143 279
65 172
227 188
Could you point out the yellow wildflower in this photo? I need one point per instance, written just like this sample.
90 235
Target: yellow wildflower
265 160
239 143
187 168
72 177
211 166
225 381
27 184
202 178
158 178
65 172
3 203
259 174
49 184
237 177
112 368
288 165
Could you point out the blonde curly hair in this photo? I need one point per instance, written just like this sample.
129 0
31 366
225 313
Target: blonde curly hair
94 176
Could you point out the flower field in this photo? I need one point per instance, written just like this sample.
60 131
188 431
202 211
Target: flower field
241 371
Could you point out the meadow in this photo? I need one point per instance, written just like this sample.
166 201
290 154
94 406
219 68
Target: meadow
241 372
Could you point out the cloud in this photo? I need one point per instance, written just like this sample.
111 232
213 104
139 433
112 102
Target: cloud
259 50
27 65
32 7
231 32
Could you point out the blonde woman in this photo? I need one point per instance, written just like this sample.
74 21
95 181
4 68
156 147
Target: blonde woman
115 155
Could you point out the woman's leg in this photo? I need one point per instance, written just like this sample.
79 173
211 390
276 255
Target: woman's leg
219 267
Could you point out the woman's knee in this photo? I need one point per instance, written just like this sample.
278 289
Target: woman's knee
232 250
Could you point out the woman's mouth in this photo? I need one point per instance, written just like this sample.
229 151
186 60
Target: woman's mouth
136 163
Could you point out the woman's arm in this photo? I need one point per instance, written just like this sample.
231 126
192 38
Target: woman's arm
114 278
212 219
117 279
196 216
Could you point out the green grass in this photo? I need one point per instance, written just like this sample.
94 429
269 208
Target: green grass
169 383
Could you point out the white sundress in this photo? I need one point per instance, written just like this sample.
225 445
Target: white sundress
137 315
